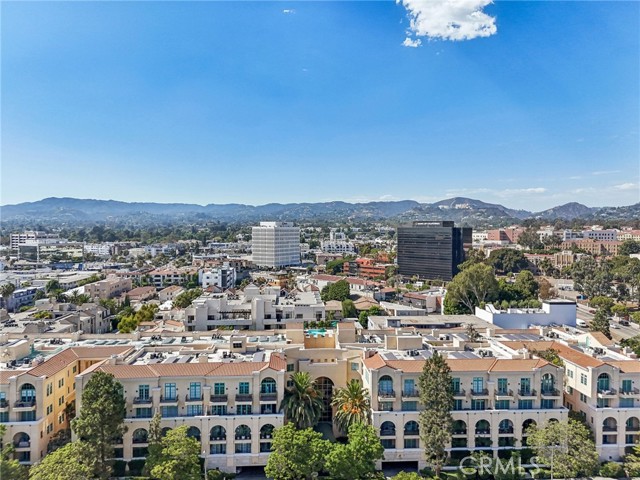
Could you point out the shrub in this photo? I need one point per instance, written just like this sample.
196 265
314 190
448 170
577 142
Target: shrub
219 475
136 467
119 468
612 469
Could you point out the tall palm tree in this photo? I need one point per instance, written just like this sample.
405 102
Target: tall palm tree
302 402
6 290
352 405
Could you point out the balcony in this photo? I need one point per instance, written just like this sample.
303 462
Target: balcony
459 393
505 431
244 397
142 401
222 438
23 405
526 393
504 394
632 428
459 432
608 393
4 403
220 398
482 392
483 432
386 394
23 445
169 400
410 394
243 437
268 396
633 392
140 440
550 392
193 398
387 432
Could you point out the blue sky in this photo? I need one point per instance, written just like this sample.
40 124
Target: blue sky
528 104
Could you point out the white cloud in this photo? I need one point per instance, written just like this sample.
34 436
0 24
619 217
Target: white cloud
626 186
288 11
605 172
449 19
412 42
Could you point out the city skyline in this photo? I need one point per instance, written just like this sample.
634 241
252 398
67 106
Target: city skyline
527 106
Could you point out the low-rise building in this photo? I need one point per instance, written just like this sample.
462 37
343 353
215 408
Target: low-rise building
110 287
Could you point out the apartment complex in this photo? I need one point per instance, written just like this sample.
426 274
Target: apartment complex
275 244
110 287
31 237
223 277
431 250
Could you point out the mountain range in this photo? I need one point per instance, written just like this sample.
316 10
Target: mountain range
459 209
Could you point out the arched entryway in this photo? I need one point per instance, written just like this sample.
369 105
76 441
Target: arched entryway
325 385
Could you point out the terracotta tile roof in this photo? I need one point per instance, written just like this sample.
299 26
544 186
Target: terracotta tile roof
5 375
626 366
141 291
327 278
471 365
565 352
171 288
374 362
602 339
237 369
63 359
277 362
518 365
127 371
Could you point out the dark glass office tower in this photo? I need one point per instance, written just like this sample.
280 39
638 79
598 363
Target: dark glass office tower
431 250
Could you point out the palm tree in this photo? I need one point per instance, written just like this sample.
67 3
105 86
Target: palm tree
353 405
6 290
302 402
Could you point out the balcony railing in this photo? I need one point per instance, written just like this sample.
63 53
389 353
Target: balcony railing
217 439
194 398
505 430
138 400
22 444
412 432
387 433
606 392
219 398
459 393
630 391
171 399
459 432
633 428
410 393
479 392
244 397
140 440
550 392
483 432
609 428
504 393
386 394
527 393
25 403
4 403
243 437
268 396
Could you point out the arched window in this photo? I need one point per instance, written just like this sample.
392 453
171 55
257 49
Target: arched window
603 382
21 440
609 425
218 433
459 427
632 424
548 383
411 428
27 393
266 431
388 429
505 426
385 385
483 427
194 432
164 431
243 433
268 385
140 436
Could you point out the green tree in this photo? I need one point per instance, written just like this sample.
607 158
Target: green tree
591 278
526 285
530 239
632 462
545 289
74 461
472 333
407 476
570 446
40 295
296 454
10 468
52 286
603 303
620 311
628 247
302 402
356 459
349 309
508 260
473 286
101 419
335 291
352 405
600 323
154 455
436 395
179 457
550 355
186 298
633 343
6 290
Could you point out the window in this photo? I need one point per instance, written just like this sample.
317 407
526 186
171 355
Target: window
502 386
525 386
478 384
603 403
27 416
61 400
194 410
546 403
143 392
144 412
409 406
477 404
218 449
355 367
236 345
169 411
268 409
243 409
195 391
4 417
140 452
457 404
503 404
626 385
569 373
410 443
626 403
243 448
583 378
219 388
61 383
525 404
291 367
385 406
49 389
455 385
570 390
409 386
243 388
61 418
583 398
170 391
388 442
75 369
218 410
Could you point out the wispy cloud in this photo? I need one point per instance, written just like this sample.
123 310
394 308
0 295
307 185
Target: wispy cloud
605 172
288 11
626 186
412 42
449 19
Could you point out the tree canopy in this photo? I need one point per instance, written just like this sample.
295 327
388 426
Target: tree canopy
179 457
335 291
508 260
74 461
296 454
302 402
600 323
352 405
471 287
357 458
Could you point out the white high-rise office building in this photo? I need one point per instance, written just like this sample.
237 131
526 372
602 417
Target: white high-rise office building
275 244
